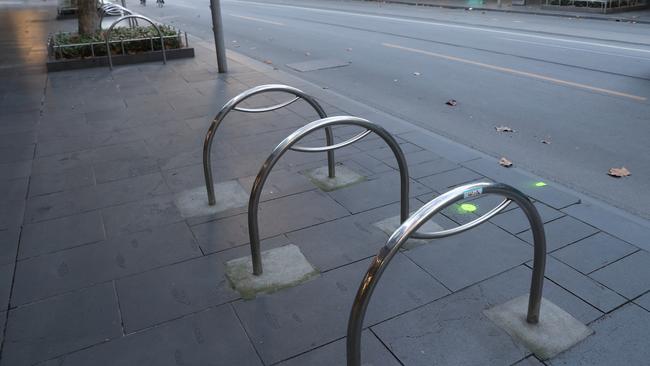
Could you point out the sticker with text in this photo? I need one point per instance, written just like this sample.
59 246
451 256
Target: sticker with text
472 192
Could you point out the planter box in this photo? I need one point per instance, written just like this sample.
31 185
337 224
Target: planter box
102 61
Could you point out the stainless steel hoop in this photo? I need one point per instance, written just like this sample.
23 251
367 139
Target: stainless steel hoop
233 104
134 17
287 144
409 227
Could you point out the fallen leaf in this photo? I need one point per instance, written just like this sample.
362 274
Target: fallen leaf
268 62
307 54
505 162
547 142
504 129
395 80
619 172
451 102
234 41
416 73
348 49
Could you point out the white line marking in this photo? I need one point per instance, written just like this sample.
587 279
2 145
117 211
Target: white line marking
256 19
339 12
576 49
518 72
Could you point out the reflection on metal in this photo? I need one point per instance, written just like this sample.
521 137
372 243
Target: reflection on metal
233 104
110 9
288 144
409 227
133 17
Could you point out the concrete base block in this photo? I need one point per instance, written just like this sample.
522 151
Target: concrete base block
345 177
556 332
194 202
283 267
391 224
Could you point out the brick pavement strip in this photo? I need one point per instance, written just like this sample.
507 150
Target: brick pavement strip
97 267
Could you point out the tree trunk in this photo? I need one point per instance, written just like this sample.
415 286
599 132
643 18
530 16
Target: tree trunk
87 10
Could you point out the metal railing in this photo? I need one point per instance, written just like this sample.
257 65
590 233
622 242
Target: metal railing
288 144
409 227
110 29
233 104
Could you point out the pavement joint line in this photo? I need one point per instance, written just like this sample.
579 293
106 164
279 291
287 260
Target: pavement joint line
518 72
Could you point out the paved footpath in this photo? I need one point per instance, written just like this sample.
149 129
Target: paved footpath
100 267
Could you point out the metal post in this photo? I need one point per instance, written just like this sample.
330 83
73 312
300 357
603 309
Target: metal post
217 29
288 144
413 223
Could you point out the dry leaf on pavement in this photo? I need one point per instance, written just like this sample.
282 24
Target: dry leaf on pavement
618 172
451 102
545 141
504 129
505 162
416 73
268 62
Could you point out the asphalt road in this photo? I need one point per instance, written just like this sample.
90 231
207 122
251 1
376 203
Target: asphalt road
581 85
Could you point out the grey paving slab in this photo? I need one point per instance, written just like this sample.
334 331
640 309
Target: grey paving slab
644 301
525 182
59 162
275 217
99 196
194 340
60 325
373 354
439 165
441 182
582 286
629 276
16 153
20 169
107 171
594 252
620 339
140 215
387 155
8 245
13 189
343 241
63 271
562 232
11 214
462 260
515 221
372 193
81 176
280 183
442 332
66 232
6 280
282 324
612 223
441 146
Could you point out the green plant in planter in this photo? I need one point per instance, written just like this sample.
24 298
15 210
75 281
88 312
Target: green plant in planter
136 40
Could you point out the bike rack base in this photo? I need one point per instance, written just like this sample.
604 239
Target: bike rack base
556 331
192 202
345 177
391 224
284 267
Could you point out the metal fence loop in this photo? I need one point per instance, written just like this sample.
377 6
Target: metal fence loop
134 17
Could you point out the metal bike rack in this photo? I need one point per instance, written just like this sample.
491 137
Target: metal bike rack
288 144
408 228
111 9
233 104
133 17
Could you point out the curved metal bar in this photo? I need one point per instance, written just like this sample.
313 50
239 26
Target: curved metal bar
399 237
135 17
287 143
459 229
266 109
108 9
333 147
233 103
